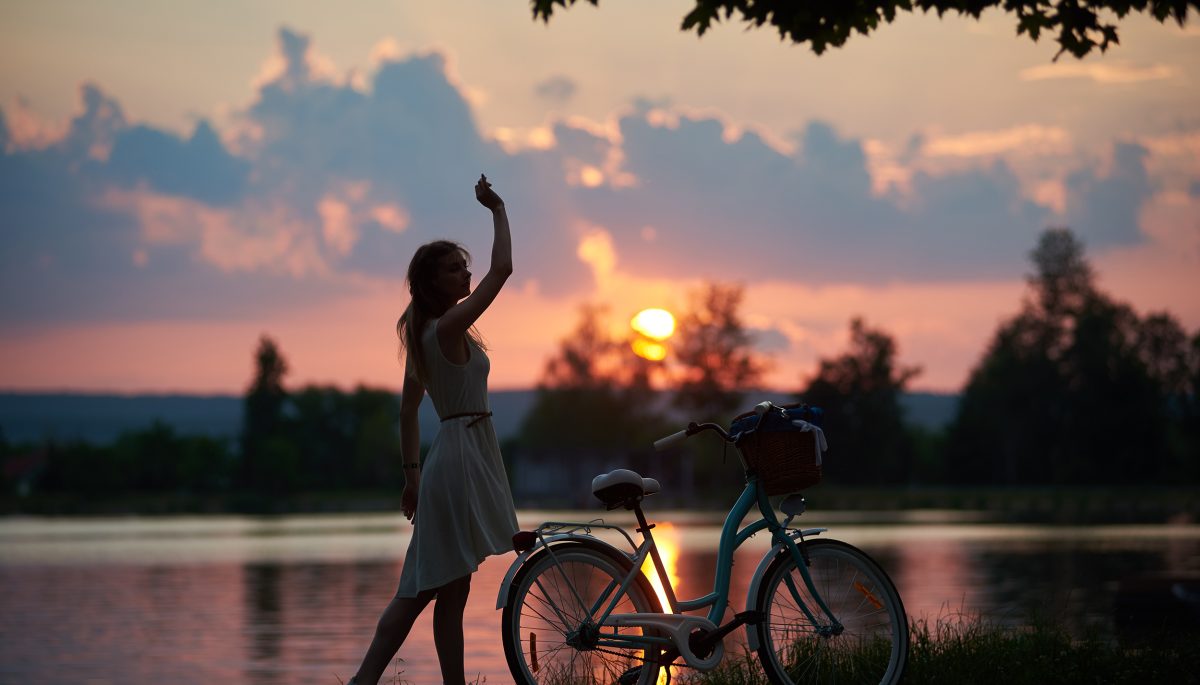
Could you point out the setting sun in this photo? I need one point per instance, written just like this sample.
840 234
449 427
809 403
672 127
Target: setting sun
656 324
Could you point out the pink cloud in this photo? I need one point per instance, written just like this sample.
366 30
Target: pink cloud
337 225
1033 138
252 236
28 131
391 216
1099 72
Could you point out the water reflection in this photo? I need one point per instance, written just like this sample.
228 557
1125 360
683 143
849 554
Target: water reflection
228 603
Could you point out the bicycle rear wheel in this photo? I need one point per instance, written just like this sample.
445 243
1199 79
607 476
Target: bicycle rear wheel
543 618
873 645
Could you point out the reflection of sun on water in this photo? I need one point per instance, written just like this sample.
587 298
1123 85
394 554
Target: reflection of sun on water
668 548
667 540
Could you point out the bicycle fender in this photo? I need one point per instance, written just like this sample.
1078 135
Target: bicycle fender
515 567
757 578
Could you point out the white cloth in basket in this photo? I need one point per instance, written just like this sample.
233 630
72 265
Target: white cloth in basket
818 435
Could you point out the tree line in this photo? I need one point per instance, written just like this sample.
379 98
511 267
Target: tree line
309 439
1075 388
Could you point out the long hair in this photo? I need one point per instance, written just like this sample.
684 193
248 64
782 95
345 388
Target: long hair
426 303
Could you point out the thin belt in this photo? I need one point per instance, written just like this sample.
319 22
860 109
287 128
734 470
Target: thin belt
479 416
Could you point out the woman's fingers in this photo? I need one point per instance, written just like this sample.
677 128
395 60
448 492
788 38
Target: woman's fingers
484 193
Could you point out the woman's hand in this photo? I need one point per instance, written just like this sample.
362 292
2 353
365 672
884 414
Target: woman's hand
486 196
408 502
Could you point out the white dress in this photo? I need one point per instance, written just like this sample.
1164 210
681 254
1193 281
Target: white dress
464 505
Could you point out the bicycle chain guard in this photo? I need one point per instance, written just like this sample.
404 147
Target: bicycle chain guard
679 628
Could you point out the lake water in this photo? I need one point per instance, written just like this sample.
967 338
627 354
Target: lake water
294 599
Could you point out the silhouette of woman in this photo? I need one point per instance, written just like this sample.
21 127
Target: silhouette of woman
459 500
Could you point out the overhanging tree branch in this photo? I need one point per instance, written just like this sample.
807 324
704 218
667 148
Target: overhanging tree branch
1081 24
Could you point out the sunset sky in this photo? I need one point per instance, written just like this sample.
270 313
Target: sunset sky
177 179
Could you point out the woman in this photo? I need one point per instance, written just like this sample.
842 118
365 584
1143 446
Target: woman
459 502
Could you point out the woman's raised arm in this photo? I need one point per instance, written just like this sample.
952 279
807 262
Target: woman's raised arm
455 322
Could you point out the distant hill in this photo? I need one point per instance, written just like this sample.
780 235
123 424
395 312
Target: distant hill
32 417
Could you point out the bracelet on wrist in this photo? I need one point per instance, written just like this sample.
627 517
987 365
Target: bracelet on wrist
413 465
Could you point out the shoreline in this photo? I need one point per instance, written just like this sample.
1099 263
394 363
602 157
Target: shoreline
1078 505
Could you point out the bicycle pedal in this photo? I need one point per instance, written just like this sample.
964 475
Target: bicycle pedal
750 618
705 643
630 676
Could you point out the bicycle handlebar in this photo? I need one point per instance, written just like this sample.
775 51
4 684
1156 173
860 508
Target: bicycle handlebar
675 438
671 440
693 428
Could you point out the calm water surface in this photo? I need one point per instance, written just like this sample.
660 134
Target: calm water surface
294 599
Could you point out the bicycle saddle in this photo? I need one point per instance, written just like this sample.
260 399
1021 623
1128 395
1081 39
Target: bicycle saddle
622 485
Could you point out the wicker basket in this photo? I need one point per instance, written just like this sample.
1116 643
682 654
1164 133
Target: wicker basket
785 461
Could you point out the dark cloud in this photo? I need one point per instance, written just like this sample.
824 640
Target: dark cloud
742 210
294 47
721 208
52 240
71 252
912 149
1105 208
572 142
557 89
60 251
199 167
93 132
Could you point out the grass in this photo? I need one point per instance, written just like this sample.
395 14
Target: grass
961 649
397 676
958 648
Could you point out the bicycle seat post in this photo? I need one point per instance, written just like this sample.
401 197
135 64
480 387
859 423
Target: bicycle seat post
644 527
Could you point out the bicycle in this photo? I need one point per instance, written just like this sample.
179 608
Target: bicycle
579 610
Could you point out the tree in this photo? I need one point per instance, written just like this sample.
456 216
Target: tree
1076 388
269 459
714 354
594 393
1080 26
345 440
266 395
585 359
860 393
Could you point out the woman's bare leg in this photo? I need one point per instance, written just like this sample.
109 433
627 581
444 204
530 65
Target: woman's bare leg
393 627
448 628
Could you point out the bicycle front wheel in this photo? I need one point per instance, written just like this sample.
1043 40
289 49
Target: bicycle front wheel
872 645
550 626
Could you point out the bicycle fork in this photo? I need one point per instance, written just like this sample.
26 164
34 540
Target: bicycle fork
800 558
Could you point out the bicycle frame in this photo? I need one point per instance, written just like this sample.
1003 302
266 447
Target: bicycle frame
731 539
